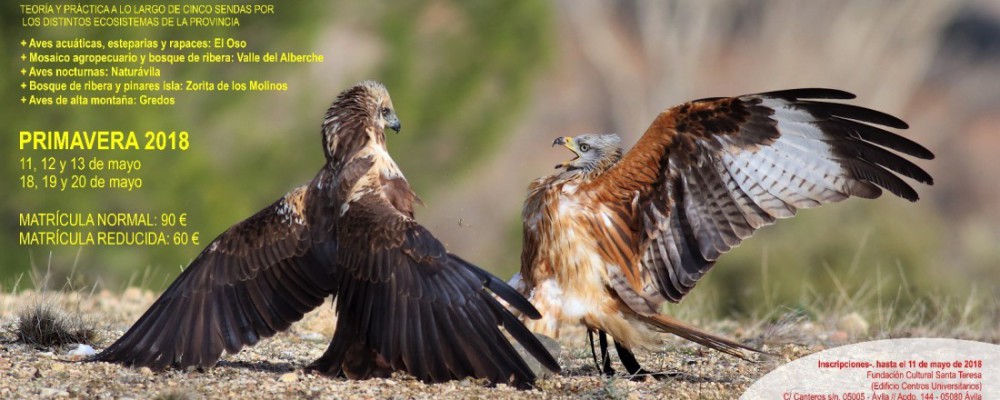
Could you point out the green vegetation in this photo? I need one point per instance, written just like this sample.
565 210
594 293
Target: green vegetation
458 73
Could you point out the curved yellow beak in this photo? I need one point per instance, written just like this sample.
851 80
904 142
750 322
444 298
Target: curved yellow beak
567 142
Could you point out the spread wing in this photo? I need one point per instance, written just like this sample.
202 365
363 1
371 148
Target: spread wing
712 171
421 309
252 281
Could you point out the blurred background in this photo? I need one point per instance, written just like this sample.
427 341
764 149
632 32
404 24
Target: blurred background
482 88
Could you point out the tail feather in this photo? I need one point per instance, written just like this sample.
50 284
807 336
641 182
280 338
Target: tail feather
679 328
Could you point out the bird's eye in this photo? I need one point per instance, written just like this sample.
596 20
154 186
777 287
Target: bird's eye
584 147
385 111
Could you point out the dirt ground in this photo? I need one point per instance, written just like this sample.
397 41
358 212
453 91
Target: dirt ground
273 368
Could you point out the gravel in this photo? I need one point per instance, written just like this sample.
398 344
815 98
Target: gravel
273 368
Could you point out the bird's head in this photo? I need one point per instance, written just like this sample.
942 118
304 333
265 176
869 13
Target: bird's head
592 152
362 111
379 106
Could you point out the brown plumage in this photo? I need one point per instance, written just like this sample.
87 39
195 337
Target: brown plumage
403 302
609 239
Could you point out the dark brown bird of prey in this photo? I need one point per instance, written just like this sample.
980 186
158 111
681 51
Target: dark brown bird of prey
403 302
609 238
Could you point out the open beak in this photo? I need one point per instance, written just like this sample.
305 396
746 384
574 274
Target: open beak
567 142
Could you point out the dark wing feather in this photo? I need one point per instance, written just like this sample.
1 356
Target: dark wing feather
724 167
415 307
255 279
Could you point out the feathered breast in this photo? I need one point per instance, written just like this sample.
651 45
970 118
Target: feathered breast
376 173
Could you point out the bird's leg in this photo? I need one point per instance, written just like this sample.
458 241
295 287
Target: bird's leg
628 360
590 335
636 370
605 364
605 357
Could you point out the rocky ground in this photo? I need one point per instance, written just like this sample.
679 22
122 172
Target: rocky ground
273 368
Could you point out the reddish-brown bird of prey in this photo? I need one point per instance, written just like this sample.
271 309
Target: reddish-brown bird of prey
403 302
609 238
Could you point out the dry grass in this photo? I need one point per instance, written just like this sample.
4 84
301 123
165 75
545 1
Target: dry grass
38 326
272 369
42 324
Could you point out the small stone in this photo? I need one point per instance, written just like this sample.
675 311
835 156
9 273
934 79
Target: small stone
313 337
58 367
839 337
50 392
134 294
853 324
81 350
289 377
145 371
